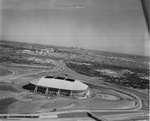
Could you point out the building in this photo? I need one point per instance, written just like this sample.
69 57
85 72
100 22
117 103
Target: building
56 85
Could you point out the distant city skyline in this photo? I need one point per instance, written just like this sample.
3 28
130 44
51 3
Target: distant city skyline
106 25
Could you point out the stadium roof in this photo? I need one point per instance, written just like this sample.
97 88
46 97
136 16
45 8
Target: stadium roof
64 83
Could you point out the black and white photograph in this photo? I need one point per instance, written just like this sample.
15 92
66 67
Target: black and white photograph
74 60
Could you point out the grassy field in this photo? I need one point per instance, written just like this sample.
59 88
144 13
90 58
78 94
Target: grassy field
4 103
4 72
133 79
5 87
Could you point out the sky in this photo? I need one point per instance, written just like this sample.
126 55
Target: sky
107 25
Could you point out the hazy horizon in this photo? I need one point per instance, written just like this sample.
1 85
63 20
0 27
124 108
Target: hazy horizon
106 25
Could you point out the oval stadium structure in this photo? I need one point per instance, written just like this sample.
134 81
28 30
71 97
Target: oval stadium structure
56 85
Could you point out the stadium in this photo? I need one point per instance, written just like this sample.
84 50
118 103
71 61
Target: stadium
56 85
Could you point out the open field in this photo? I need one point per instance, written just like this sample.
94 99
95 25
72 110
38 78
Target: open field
5 72
8 87
4 104
124 76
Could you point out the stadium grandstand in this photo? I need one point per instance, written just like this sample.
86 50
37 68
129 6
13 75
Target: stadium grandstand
56 85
